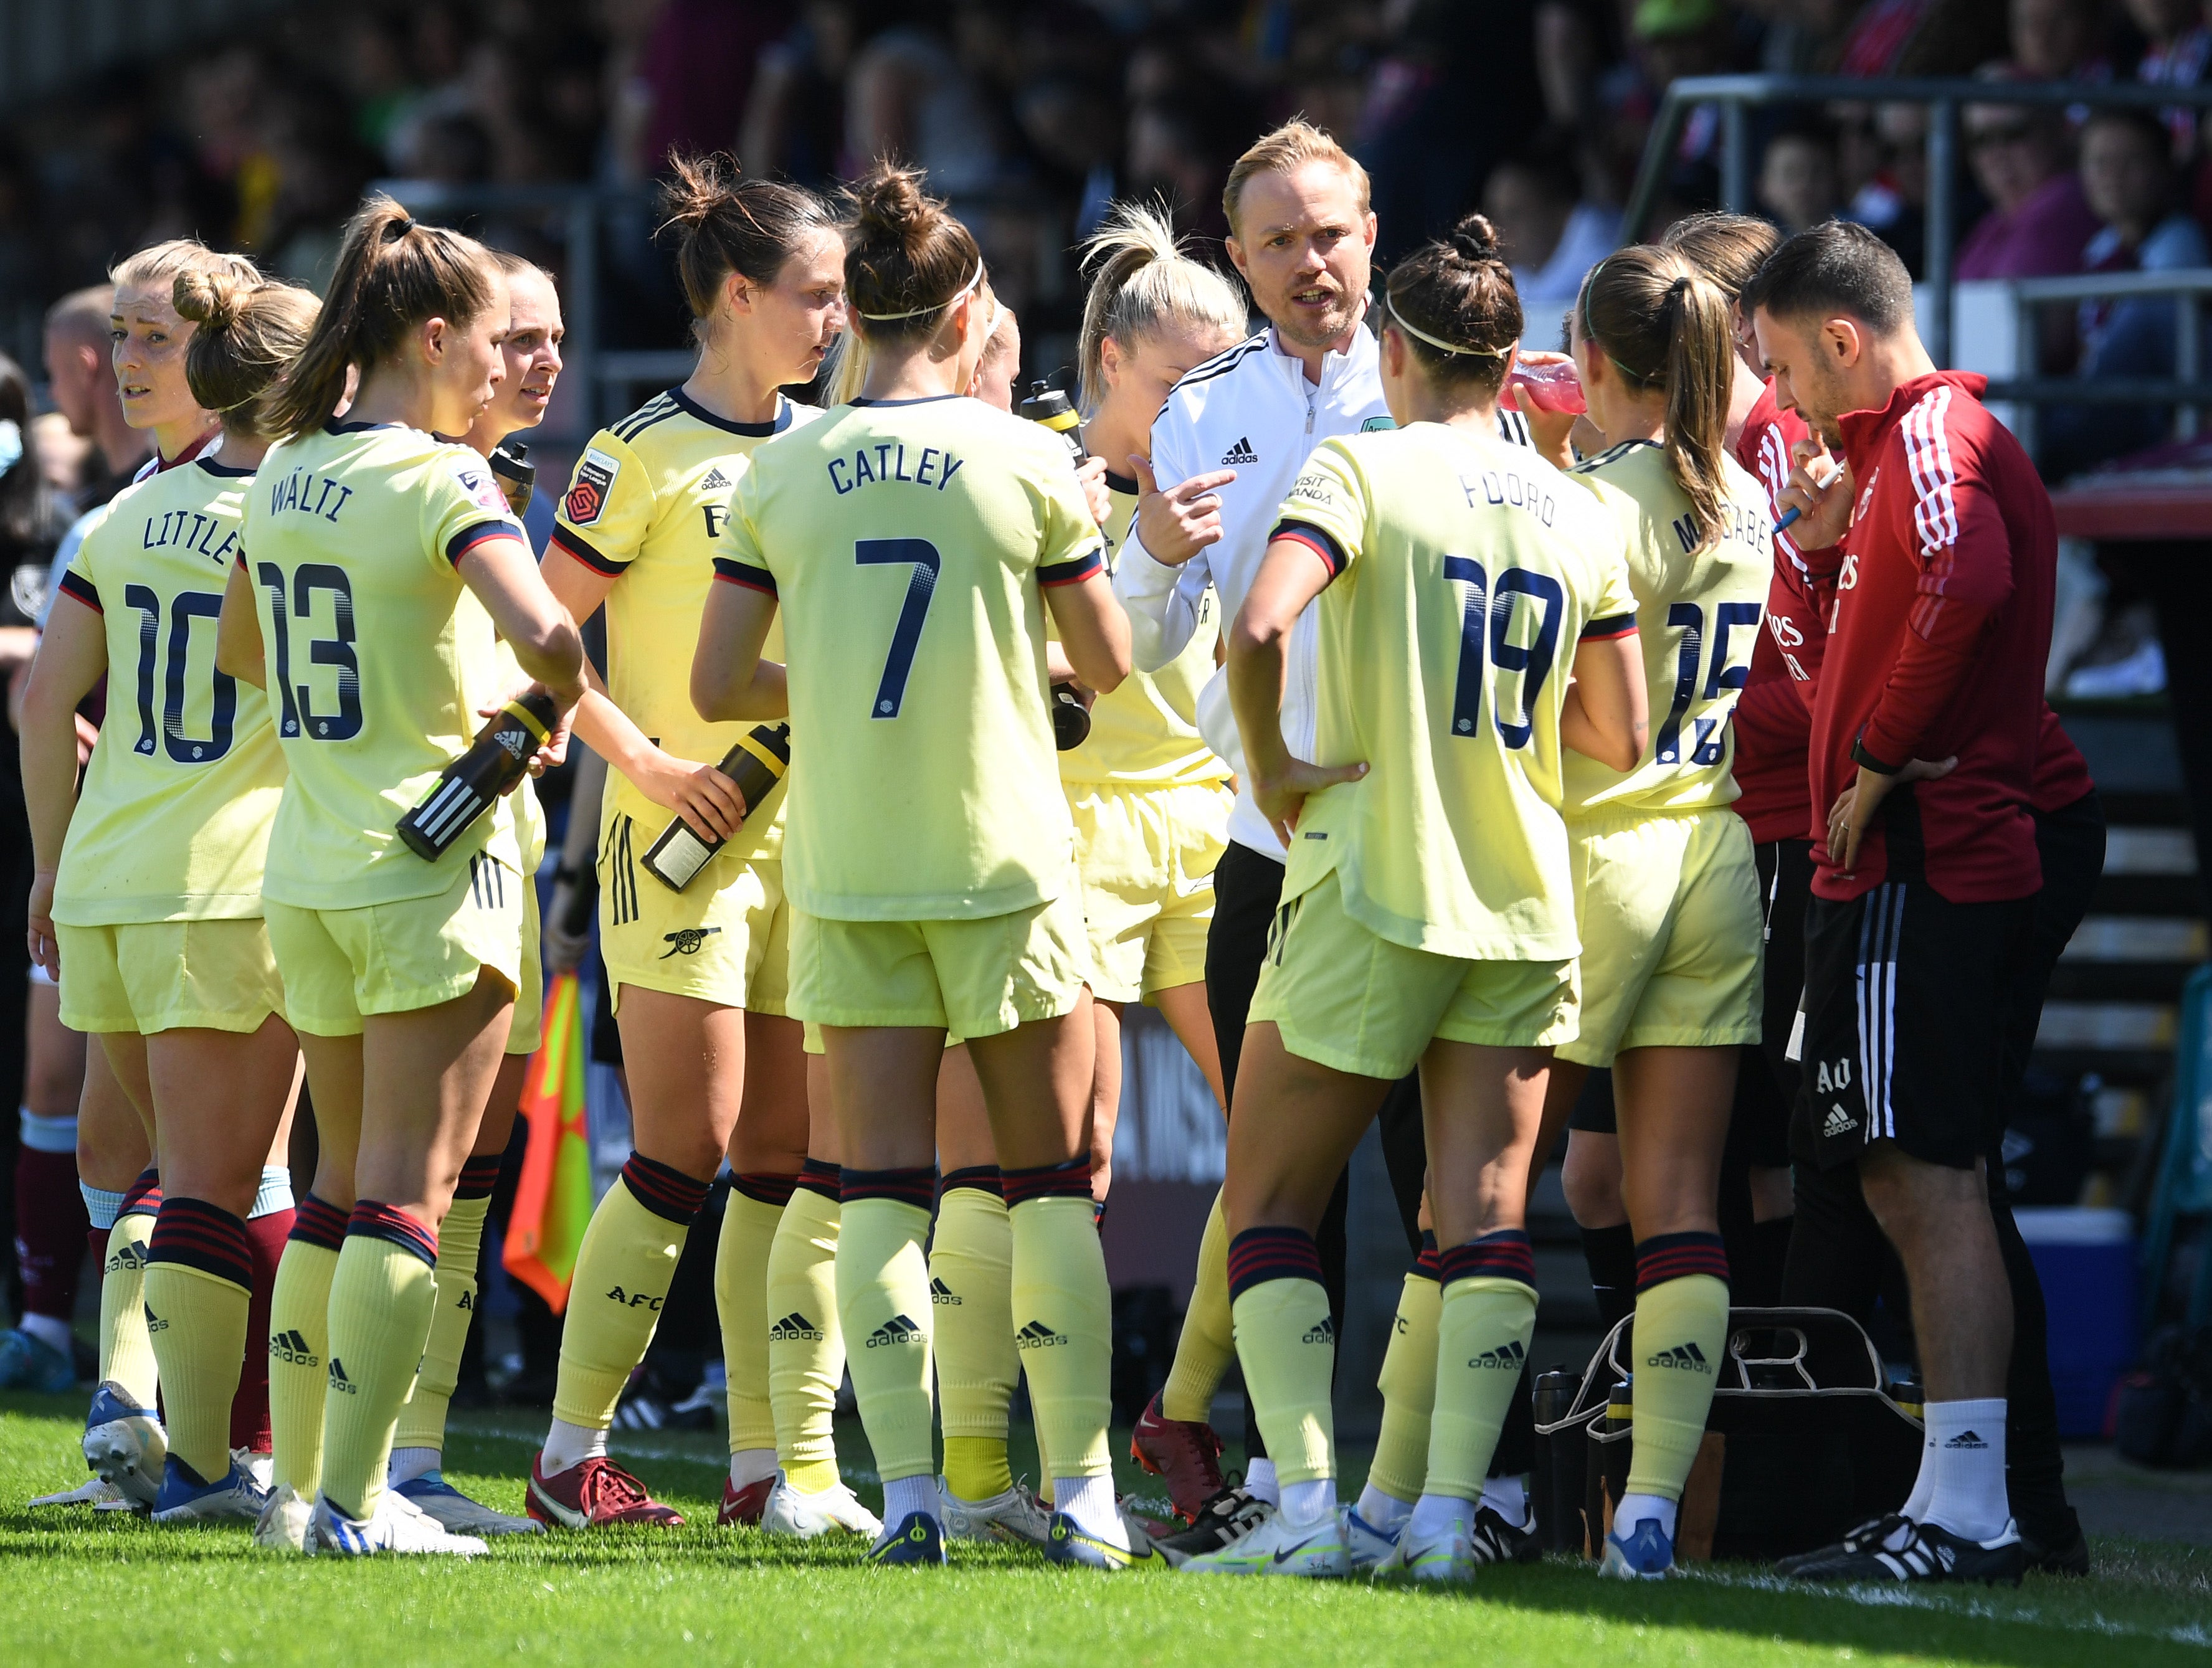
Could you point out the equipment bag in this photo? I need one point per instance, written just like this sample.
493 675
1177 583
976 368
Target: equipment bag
1803 1442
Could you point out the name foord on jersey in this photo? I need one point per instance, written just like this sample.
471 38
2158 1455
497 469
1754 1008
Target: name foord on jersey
309 493
191 531
887 462
1498 486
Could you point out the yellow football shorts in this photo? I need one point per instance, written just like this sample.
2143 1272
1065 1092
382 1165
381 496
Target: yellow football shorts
526 1029
1673 941
973 978
725 938
393 958
1146 855
1344 997
153 976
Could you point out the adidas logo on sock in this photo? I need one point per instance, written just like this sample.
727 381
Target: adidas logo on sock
1967 1438
1840 1122
339 1382
1324 1333
714 480
634 1300
1038 1336
794 1328
292 1349
154 1322
897 1330
1242 452
1507 1357
1683 1357
130 1257
941 1293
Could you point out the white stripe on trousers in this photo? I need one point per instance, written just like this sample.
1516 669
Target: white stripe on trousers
1881 926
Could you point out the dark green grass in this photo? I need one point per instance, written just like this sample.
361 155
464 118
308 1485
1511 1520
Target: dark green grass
75 1589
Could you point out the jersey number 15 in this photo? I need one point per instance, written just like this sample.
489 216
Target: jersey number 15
1709 743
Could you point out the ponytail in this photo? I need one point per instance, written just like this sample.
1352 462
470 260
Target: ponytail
1140 279
1665 326
247 334
391 274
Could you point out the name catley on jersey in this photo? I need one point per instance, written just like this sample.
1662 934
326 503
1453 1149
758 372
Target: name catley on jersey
377 656
645 507
1464 572
1698 611
173 821
907 542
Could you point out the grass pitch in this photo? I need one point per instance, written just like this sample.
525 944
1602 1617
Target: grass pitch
77 1588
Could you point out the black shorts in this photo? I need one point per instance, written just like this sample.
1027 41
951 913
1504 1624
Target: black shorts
1906 997
1767 1084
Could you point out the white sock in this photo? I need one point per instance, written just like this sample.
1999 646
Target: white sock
751 1465
50 1330
1260 1480
408 1463
1637 1508
1309 1503
1966 1447
1508 1497
1923 1485
275 1193
568 1445
1089 1500
1434 1516
905 1495
101 1205
1383 1511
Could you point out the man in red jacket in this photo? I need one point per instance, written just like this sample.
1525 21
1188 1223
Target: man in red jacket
1923 872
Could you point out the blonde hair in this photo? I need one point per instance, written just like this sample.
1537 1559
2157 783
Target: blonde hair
158 266
1293 145
248 336
1664 325
1141 281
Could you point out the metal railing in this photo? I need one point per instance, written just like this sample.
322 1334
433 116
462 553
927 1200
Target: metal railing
1738 95
2030 296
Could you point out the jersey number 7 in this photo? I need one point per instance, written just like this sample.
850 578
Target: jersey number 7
921 555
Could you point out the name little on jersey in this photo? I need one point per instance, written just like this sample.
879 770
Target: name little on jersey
886 462
191 531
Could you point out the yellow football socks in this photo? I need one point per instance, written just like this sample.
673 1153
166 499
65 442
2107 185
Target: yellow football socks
460 1242
298 1342
1063 1317
750 1223
1408 1384
126 1351
971 1273
1680 1331
1208 1342
805 1342
883 1303
199 1280
1286 1344
624 1269
381 1299
1485 1315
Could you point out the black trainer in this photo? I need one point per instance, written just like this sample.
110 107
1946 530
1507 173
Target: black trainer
1498 1541
1225 1516
1868 1536
1916 1552
2057 1556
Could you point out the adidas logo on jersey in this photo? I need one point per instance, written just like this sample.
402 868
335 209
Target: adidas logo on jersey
714 480
1324 1333
293 1350
1966 1441
794 1328
339 1381
897 1330
1038 1336
1682 1358
1839 1121
941 1293
1242 452
634 1300
1506 1358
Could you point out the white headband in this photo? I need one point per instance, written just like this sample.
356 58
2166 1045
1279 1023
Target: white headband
1399 320
934 307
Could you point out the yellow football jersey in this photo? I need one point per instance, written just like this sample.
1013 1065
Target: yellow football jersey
173 822
1697 610
378 655
1464 572
1144 734
905 543
644 507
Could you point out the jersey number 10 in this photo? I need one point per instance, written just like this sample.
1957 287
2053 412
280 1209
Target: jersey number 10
222 695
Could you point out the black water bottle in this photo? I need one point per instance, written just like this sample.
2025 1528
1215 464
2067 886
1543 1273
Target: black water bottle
1558 1484
756 765
464 789
516 474
1052 408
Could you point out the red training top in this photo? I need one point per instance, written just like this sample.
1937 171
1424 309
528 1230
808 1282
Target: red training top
1938 636
1773 714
